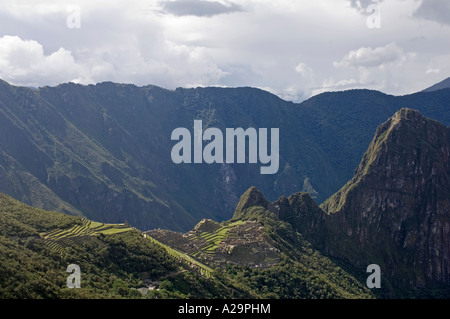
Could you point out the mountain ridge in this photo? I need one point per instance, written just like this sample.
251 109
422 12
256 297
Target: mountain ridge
444 84
103 151
392 213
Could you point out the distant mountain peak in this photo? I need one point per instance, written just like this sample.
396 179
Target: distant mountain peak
445 84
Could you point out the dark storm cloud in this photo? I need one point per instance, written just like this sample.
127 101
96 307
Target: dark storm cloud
200 8
436 10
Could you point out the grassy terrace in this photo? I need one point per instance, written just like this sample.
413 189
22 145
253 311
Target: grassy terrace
88 228
203 269
213 239
56 238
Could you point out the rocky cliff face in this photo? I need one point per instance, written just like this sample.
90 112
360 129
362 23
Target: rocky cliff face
395 212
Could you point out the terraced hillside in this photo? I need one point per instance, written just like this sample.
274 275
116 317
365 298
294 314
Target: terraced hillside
183 258
59 238
218 244
256 249
117 261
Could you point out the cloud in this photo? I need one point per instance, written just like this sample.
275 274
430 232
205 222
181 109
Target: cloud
363 5
199 8
23 62
368 57
331 84
305 71
435 10
168 43
439 65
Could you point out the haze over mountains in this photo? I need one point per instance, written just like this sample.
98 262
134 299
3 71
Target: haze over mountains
103 151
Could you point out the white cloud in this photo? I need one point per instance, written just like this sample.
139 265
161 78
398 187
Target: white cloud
23 62
362 5
331 84
368 57
432 71
305 71
287 46
439 65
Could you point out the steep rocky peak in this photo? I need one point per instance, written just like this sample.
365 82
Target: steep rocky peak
252 197
302 199
400 144
298 203
399 199
412 119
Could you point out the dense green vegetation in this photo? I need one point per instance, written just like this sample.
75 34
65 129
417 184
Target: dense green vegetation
303 272
183 258
103 151
264 251
115 260
112 263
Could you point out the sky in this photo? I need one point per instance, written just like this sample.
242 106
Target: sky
292 48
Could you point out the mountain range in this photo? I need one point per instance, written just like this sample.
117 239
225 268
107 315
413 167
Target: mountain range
103 151
393 213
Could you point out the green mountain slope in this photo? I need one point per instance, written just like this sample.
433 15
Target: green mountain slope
260 251
118 261
103 151
393 213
